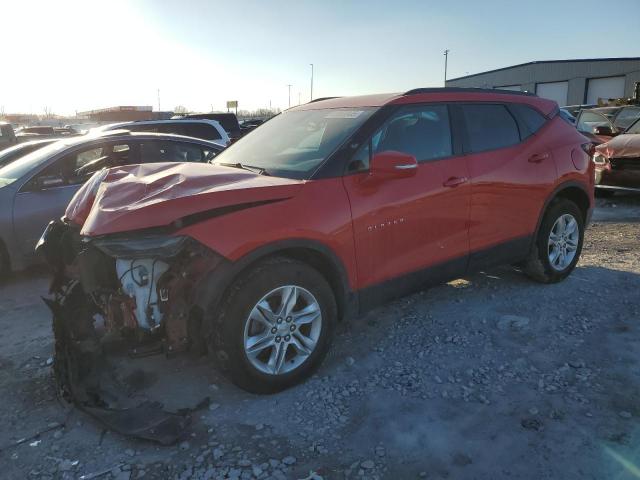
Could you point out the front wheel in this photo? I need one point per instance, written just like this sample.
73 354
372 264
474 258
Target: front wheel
275 325
558 245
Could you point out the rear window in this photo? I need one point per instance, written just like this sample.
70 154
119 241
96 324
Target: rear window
489 127
529 119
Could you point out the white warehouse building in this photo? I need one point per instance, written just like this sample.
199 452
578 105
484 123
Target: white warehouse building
568 82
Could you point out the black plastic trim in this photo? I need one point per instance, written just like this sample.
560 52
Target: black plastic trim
376 295
492 91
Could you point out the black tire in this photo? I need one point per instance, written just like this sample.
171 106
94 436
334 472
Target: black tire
227 341
537 265
603 193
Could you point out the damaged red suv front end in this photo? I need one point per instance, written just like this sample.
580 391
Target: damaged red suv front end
126 279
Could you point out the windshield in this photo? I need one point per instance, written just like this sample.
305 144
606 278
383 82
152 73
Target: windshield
22 166
294 144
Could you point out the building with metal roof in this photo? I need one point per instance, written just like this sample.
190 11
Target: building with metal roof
568 82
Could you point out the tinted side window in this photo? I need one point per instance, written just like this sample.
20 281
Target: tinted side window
152 151
489 127
529 119
422 131
201 130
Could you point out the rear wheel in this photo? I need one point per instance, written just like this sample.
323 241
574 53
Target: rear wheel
275 325
558 245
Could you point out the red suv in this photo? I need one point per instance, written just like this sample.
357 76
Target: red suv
324 211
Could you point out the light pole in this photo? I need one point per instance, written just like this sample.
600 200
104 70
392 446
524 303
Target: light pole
311 80
289 85
446 57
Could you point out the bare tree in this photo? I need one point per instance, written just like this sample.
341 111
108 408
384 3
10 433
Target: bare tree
180 109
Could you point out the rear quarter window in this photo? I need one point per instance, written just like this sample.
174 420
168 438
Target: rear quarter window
489 127
529 119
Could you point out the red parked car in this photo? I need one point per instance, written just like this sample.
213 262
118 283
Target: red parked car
324 211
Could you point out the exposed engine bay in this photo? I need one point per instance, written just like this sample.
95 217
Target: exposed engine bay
127 296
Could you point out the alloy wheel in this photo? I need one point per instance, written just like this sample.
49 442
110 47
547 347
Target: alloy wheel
282 330
563 242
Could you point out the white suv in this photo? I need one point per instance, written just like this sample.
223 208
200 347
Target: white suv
204 129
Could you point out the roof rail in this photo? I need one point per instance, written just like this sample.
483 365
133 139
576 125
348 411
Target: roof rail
321 99
417 91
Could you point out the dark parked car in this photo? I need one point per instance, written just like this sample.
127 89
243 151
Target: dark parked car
37 187
7 135
607 122
229 122
10 154
617 163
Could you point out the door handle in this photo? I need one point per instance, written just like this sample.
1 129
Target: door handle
454 182
538 157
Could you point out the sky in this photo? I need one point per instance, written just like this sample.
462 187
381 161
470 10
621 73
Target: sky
74 55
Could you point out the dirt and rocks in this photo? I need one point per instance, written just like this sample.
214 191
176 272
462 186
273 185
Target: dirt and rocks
490 376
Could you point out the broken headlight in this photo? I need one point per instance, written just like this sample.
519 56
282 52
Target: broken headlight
146 245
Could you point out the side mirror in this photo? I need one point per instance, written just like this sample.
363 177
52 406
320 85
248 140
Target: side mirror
604 130
391 164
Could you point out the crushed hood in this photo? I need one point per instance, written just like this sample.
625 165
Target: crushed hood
157 194
622 146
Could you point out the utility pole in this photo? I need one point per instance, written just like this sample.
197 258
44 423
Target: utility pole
299 98
158 99
311 81
289 85
446 57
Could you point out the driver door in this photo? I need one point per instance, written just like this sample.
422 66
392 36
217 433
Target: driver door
46 196
410 231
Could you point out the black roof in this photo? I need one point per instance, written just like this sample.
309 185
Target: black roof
416 91
538 62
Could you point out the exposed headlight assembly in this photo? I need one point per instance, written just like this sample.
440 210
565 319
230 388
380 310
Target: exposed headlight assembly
140 245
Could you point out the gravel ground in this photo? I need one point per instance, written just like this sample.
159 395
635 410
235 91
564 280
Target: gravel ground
491 376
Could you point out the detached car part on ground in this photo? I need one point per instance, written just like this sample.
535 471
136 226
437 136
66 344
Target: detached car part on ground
324 211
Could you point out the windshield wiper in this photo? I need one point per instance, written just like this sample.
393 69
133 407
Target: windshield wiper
250 168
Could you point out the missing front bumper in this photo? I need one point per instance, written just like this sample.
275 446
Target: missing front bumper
95 323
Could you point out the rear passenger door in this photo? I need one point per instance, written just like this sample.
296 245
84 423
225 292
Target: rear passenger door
511 171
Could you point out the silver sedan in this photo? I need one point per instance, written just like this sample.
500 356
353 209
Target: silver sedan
36 188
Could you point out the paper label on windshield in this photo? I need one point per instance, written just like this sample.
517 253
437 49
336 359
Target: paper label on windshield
344 114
